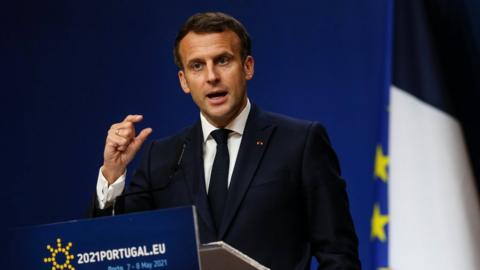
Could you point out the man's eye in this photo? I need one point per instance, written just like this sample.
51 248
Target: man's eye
196 66
223 60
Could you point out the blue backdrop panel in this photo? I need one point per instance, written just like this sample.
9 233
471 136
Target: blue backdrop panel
72 68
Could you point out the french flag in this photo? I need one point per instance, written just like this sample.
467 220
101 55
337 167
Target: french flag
426 213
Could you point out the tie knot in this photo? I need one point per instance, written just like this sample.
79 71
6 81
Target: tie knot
220 135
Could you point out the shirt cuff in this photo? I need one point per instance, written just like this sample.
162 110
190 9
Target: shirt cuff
106 193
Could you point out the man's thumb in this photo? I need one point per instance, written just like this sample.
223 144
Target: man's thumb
138 141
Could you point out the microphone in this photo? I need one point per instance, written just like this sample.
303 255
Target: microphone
176 168
179 161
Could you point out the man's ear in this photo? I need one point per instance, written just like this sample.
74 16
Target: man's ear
183 82
248 67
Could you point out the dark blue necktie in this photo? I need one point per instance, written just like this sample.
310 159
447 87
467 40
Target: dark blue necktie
218 187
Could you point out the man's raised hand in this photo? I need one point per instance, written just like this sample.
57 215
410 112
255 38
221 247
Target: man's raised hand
121 146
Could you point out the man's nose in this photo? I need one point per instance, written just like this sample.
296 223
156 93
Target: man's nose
212 75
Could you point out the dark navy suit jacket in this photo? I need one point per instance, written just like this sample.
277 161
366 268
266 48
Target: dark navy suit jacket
286 200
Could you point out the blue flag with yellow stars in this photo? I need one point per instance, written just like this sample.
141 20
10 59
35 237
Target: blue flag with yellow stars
380 214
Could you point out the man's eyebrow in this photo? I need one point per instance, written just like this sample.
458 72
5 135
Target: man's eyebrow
201 60
223 54
195 60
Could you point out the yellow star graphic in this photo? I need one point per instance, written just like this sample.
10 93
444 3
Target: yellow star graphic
378 224
381 163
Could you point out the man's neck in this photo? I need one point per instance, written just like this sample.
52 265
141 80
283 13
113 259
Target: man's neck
237 125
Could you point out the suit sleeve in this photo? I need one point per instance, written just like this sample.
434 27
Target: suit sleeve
333 239
141 184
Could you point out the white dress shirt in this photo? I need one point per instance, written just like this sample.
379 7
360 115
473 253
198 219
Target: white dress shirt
106 194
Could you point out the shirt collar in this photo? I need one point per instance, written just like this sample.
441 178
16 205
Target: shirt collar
237 125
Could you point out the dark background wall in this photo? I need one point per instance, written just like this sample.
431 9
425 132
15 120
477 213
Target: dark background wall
71 68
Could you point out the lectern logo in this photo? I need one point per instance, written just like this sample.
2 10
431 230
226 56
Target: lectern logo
60 258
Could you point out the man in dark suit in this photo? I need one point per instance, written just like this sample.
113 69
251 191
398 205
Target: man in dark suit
266 184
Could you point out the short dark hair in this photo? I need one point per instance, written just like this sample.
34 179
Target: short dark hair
212 22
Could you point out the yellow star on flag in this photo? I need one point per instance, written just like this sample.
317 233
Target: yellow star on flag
378 224
381 163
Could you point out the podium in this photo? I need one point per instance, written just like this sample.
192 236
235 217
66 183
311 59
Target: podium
160 239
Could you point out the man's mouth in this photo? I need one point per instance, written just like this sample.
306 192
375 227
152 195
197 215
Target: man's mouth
217 98
216 95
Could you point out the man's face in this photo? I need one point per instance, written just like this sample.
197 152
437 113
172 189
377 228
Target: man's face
215 75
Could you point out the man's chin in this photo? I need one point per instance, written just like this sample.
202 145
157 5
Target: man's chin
219 117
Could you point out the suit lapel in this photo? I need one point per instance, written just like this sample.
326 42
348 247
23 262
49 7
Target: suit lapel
194 174
254 142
